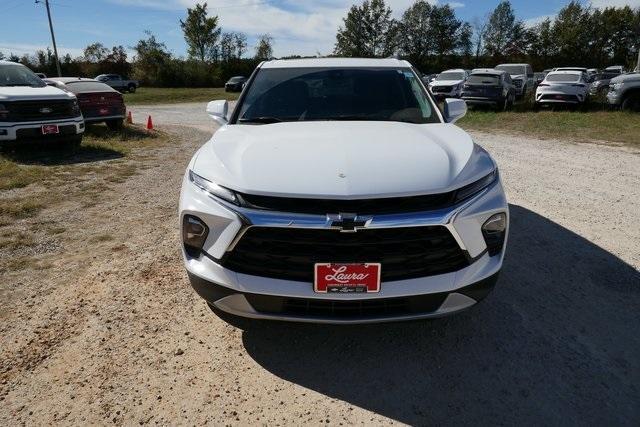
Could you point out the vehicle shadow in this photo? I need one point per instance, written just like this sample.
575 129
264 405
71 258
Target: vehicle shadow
96 150
557 342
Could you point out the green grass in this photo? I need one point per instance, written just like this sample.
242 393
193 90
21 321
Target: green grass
610 126
158 95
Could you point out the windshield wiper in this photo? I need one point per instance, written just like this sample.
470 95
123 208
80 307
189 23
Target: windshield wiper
261 119
19 84
350 117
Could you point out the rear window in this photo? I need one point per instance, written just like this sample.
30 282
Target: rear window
79 87
483 79
563 78
514 70
451 76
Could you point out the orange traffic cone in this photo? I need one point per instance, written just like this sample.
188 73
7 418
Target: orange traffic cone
149 124
129 118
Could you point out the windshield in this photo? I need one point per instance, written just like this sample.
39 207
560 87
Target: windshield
563 78
483 79
19 75
451 76
305 94
514 70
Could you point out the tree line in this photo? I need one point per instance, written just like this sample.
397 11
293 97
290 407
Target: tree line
430 36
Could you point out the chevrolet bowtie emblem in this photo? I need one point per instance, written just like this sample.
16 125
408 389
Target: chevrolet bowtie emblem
347 222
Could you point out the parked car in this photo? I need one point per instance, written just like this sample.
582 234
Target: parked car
563 88
448 84
99 102
32 111
338 192
538 78
624 92
118 82
615 69
235 84
600 83
428 78
489 87
522 77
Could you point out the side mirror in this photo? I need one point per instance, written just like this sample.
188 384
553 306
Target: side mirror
218 110
454 109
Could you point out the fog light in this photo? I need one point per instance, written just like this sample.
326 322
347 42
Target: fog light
494 232
194 234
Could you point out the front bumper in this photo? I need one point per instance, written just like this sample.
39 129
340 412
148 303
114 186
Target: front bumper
614 98
478 100
234 292
10 131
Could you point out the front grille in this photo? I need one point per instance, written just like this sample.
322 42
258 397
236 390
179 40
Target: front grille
379 307
290 253
36 133
446 89
517 83
26 111
362 207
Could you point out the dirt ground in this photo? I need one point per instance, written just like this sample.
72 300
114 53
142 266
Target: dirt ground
103 328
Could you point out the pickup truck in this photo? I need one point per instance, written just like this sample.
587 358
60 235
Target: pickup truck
31 111
624 92
118 82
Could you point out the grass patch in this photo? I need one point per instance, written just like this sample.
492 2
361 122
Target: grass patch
159 95
20 208
13 175
612 126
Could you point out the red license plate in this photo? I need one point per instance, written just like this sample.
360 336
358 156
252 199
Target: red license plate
104 111
347 278
50 129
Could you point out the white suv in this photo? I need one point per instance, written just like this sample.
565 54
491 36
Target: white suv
32 111
337 192
448 84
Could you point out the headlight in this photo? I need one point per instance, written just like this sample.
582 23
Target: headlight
75 108
194 234
212 188
494 232
475 187
4 112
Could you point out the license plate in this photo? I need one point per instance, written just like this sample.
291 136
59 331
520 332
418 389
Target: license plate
104 111
559 96
347 278
50 129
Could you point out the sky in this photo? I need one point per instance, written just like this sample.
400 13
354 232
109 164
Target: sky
303 27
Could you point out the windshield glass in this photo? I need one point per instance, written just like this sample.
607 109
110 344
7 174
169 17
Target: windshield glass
483 79
563 78
305 94
514 70
19 75
451 76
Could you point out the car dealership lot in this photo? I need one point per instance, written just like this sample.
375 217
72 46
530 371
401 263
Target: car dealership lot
107 328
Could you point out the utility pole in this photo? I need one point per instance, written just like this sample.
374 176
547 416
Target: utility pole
53 37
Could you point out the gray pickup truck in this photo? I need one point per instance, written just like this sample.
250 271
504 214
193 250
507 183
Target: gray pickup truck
118 82
624 92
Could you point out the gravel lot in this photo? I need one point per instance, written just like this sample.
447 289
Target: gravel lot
111 332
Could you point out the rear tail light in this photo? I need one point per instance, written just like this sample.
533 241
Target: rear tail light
194 234
494 231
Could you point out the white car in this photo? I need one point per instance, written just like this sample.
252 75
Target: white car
448 84
31 111
563 87
522 76
337 192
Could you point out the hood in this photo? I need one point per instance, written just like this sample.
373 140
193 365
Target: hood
446 82
626 78
25 93
341 159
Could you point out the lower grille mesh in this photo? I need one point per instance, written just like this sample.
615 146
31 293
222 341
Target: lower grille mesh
289 253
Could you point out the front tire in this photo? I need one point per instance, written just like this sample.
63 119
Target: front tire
631 102
131 88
